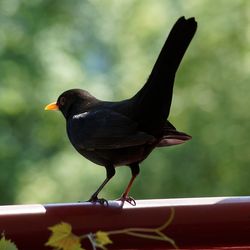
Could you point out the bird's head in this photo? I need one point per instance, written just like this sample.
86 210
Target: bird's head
72 102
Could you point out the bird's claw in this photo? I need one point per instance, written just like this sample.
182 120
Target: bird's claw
98 200
128 199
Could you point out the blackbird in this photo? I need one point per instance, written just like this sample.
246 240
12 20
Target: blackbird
113 134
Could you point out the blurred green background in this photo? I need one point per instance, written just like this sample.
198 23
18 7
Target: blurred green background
108 47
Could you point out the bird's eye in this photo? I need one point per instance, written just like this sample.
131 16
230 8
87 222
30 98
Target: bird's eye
62 101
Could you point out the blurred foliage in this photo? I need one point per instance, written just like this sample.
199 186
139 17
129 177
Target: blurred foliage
109 47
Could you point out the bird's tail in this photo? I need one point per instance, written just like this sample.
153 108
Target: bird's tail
152 103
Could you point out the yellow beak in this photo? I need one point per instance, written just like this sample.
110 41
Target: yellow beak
52 106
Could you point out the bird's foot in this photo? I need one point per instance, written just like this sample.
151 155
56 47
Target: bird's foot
128 199
98 200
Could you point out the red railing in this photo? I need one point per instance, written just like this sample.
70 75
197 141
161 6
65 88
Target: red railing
194 223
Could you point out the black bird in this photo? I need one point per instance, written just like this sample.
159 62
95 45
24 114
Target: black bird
113 134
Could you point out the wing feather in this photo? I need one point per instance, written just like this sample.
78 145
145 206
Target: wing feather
105 129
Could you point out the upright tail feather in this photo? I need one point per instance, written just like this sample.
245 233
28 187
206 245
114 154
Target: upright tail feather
152 103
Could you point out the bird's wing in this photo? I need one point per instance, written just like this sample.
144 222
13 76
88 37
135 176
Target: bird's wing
105 129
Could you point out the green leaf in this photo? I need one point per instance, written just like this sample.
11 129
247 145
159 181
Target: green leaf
7 244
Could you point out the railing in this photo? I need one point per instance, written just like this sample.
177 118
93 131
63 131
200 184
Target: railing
194 223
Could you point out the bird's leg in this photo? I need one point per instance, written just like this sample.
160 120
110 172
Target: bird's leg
135 170
110 171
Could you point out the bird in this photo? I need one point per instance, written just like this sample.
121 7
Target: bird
124 133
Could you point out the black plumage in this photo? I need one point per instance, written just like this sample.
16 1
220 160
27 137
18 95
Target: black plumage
124 133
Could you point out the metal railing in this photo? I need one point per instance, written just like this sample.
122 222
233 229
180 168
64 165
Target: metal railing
192 223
